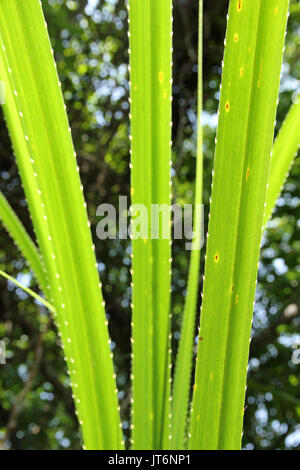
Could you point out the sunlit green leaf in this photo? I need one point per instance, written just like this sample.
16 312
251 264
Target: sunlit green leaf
250 84
150 76
39 129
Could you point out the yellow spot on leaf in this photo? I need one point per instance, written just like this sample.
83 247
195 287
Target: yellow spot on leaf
232 288
227 106
249 49
216 258
247 173
195 386
242 71
275 10
135 87
160 77
165 95
211 376
239 5
236 298
145 240
197 417
236 37
131 191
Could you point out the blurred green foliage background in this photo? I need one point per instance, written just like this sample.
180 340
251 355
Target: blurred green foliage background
89 38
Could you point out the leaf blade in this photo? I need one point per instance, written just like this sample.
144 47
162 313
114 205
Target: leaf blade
39 128
284 151
182 377
26 246
252 62
150 75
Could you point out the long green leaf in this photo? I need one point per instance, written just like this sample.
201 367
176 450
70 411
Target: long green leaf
250 84
285 150
26 246
150 75
182 378
42 141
